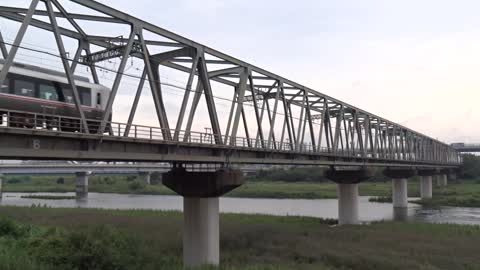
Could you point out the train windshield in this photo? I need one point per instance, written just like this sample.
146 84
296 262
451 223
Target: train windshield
85 95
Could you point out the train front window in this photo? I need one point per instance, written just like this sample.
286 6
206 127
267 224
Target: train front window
24 88
48 92
84 93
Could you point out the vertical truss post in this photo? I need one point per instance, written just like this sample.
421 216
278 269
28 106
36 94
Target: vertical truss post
230 115
154 82
77 56
300 122
3 48
264 101
186 96
337 130
135 103
272 118
322 120
66 65
18 39
328 130
193 108
255 107
93 69
310 125
203 75
116 83
285 109
240 94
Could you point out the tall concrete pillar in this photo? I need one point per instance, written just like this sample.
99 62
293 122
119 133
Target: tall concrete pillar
1 186
145 177
400 193
347 204
426 187
201 232
201 192
81 185
444 180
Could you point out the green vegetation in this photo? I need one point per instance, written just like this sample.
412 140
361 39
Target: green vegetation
51 239
48 197
466 194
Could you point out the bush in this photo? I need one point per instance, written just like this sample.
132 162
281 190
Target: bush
14 180
131 178
61 180
136 185
98 248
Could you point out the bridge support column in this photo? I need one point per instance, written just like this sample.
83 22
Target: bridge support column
426 187
399 190
201 232
400 193
145 177
1 186
444 180
201 192
347 204
81 186
347 180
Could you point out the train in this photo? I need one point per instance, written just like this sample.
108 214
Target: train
46 92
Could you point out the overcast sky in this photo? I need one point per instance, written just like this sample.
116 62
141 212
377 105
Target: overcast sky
413 62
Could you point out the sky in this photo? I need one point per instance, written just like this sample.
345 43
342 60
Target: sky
413 62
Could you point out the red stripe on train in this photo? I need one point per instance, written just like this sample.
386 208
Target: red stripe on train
40 100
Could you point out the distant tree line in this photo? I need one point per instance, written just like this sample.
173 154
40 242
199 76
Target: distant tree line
471 167
304 174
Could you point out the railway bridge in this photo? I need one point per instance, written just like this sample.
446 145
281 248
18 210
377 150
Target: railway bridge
271 119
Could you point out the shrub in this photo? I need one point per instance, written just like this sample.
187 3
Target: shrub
61 180
136 185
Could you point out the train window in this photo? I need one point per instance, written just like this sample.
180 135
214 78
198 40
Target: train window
68 95
5 86
24 88
85 96
48 92
99 99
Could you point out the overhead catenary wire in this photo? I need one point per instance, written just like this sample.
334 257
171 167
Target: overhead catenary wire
180 88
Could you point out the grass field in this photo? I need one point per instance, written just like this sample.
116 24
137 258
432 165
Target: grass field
45 238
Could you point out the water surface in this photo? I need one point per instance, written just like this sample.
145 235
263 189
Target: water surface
324 208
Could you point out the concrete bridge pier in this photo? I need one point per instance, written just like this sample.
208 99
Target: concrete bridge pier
347 204
201 192
399 191
347 180
426 187
1 186
145 177
81 186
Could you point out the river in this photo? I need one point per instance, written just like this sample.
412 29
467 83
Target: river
324 208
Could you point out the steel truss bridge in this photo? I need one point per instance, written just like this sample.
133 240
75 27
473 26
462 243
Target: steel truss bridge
289 124
467 147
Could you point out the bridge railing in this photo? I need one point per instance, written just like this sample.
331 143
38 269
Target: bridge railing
62 124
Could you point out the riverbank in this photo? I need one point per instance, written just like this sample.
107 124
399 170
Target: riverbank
130 239
124 184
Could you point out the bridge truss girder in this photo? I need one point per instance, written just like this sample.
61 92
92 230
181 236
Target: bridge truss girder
343 128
